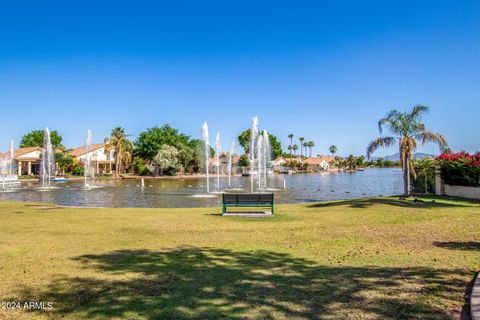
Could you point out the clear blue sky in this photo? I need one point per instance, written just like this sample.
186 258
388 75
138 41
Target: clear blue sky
325 70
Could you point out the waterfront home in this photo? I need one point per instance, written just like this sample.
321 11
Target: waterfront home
320 163
314 163
101 161
26 161
223 163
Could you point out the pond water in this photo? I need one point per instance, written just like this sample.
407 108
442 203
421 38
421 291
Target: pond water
188 192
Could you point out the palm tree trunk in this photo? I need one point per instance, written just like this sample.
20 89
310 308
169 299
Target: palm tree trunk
406 177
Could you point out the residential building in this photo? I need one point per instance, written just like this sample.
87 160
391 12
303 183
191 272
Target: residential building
101 161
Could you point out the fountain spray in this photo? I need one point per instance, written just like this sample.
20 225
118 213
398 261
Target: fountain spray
47 159
88 142
253 141
218 145
206 141
229 168
259 161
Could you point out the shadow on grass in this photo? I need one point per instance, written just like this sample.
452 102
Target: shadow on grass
458 245
365 203
207 283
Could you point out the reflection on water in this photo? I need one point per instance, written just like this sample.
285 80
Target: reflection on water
187 192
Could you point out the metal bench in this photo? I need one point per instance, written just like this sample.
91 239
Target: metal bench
247 200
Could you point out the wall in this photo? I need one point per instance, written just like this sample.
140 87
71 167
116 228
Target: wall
454 191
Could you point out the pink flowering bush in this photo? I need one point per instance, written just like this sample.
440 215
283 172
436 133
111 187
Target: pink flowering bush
460 169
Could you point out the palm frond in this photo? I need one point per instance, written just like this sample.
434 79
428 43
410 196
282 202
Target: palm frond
380 142
418 111
428 136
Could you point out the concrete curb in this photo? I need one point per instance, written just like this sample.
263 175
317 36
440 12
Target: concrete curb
475 299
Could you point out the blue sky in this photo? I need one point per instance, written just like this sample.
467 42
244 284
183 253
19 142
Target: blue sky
324 70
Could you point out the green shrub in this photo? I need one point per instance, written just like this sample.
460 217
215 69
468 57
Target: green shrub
78 170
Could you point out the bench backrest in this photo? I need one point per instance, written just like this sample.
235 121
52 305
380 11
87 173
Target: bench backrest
248 198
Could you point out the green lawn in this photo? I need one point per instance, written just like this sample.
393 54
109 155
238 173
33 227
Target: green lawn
370 259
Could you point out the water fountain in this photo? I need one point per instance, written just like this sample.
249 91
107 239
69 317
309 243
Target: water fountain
218 149
3 172
47 162
253 141
260 161
229 166
206 142
266 158
12 157
88 159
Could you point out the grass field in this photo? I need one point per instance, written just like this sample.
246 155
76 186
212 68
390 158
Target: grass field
378 258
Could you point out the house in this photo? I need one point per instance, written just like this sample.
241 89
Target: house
319 163
223 163
282 164
314 163
26 161
101 161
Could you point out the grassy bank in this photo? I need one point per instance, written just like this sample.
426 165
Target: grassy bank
375 258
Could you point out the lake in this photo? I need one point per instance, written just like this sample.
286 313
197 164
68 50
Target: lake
188 192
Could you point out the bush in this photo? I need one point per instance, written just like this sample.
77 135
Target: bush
78 170
140 167
425 181
460 169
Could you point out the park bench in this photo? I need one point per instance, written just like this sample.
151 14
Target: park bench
247 200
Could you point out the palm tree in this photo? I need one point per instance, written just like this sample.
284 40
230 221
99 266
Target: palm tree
290 136
305 145
295 148
301 144
311 144
333 150
122 147
407 129
351 162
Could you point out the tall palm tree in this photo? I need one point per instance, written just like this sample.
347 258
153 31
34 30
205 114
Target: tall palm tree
295 148
406 129
333 150
122 147
311 144
290 136
305 145
301 144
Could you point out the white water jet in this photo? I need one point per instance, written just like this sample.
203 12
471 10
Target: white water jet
218 148
260 161
253 143
88 158
12 157
6 168
267 157
206 141
47 161
229 167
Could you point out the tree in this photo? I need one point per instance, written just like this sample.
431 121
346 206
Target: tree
151 140
333 150
290 136
301 144
122 147
35 139
295 148
351 162
64 161
406 129
167 160
245 137
244 162
360 161
310 145
305 145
